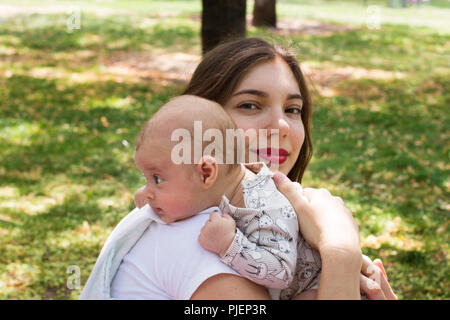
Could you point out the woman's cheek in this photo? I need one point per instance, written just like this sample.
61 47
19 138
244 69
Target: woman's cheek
298 136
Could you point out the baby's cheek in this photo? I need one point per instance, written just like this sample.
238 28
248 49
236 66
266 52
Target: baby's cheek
181 207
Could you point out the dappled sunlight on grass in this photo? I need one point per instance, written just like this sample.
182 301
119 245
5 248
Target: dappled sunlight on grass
84 235
17 277
32 206
357 13
325 78
8 192
390 232
19 134
114 102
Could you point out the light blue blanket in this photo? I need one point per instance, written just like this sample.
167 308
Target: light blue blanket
121 240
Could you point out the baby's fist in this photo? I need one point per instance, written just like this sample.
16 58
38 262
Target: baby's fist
217 233
140 198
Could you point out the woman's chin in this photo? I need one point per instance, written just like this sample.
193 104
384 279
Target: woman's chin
283 168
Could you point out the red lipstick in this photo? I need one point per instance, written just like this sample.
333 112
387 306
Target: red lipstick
273 155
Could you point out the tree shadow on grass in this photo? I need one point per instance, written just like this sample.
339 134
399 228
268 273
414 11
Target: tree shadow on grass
401 131
391 48
116 32
49 259
49 277
380 145
66 216
78 125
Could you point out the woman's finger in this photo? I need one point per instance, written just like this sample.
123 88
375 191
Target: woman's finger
340 200
385 286
379 264
377 274
288 189
371 288
299 189
367 267
370 270
325 191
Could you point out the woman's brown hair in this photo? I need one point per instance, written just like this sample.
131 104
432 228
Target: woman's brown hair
221 69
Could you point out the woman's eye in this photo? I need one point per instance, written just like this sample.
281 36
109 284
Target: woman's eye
158 180
294 110
248 105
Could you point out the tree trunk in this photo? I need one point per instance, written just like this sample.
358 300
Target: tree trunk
222 20
264 13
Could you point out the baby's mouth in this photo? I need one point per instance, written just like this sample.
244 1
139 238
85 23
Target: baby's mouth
157 210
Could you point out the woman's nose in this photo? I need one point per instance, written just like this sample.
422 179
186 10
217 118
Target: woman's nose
278 124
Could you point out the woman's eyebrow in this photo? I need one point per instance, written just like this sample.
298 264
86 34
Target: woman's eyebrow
252 91
265 94
294 96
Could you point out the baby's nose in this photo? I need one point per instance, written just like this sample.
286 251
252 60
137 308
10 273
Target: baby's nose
149 194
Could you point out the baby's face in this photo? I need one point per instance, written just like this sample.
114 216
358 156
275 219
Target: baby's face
170 190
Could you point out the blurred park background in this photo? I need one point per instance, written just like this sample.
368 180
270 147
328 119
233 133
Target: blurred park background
79 78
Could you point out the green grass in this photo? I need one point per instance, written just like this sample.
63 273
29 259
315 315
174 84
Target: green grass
68 126
355 12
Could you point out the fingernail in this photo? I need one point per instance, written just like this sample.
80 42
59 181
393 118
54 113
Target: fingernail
278 177
379 264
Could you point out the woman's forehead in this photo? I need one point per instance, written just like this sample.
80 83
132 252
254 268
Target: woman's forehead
270 76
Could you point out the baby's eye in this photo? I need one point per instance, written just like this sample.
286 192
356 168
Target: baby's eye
249 106
158 180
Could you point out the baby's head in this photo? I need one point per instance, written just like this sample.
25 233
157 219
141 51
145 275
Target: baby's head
176 190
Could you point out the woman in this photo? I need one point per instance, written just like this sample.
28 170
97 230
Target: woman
261 87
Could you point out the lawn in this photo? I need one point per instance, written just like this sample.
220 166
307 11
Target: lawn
73 101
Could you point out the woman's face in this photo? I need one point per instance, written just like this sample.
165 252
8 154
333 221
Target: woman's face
268 97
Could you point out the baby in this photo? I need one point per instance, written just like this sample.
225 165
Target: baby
266 247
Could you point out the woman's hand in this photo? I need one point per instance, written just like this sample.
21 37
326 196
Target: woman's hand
374 281
328 225
324 221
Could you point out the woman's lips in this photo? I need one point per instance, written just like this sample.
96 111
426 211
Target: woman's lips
273 155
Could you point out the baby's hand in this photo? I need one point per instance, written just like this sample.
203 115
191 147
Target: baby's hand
217 233
139 198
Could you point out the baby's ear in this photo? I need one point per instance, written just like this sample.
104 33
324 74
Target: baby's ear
208 170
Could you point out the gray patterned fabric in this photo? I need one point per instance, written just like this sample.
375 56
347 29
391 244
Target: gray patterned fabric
268 247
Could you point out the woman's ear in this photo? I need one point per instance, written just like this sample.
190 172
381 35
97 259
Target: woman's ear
208 171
